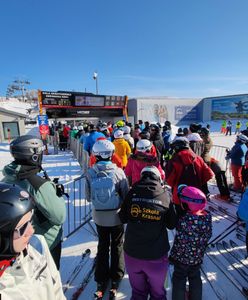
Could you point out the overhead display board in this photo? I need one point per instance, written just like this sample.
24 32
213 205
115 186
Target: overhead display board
76 99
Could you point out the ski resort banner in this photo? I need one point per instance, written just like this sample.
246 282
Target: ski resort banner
232 107
161 109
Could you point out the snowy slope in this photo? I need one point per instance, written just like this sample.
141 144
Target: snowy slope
216 284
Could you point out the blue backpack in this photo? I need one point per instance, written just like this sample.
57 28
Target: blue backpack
103 193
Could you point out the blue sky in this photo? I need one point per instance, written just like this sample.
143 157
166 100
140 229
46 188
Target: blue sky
181 48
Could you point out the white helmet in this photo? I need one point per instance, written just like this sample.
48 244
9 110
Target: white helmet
126 129
103 148
144 145
74 128
118 134
104 128
151 169
242 138
80 127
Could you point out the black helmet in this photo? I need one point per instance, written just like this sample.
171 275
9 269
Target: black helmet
27 149
14 204
204 131
180 143
145 135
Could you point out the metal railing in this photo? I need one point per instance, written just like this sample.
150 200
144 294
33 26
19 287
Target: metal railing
79 210
219 153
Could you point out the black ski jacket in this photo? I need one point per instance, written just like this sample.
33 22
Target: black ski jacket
148 211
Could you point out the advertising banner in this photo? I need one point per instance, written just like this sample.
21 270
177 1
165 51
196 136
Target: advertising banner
231 107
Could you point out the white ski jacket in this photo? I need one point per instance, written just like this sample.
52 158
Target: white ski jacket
33 276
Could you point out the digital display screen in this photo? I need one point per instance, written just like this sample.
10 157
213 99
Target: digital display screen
77 99
89 100
54 98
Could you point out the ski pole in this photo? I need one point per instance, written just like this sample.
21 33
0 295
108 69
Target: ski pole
221 238
223 232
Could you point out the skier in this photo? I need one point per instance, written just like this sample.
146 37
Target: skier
185 167
143 157
106 187
148 211
27 270
195 140
229 128
238 127
193 231
91 138
223 127
50 211
215 166
237 155
158 141
122 148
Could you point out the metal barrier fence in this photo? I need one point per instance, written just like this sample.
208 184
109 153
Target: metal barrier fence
79 210
219 153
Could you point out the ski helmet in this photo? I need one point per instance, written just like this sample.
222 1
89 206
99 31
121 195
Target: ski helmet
103 148
152 172
120 123
118 134
204 131
144 135
126 130
27 149
242 138
144 145
194 198
180 143
14 204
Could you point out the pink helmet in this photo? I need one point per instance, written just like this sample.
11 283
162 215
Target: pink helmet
192 196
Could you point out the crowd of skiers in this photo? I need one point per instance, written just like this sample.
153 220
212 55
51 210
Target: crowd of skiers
143 178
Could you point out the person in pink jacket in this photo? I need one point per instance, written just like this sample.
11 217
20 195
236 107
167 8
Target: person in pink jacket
142 158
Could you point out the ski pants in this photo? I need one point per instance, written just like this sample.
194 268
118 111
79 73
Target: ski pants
110 238
147 277
222 183
237 176
180 275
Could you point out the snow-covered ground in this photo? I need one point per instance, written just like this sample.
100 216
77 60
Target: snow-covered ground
215 282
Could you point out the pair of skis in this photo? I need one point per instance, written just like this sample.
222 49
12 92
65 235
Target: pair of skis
84 258
85 281
223 249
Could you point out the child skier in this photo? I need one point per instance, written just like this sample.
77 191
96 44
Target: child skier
106 187
27 269
193 231
148 211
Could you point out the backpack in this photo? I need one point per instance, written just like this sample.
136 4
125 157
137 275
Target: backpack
189 175
104 197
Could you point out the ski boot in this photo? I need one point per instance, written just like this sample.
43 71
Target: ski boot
113 290
101 287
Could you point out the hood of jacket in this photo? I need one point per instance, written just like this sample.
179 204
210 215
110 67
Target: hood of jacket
14 171
144 157
103 166
185 156
194 137
151 188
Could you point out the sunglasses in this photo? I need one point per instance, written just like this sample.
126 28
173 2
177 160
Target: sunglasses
20 231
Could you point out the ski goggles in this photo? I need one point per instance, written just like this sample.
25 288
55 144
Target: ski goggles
20 231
